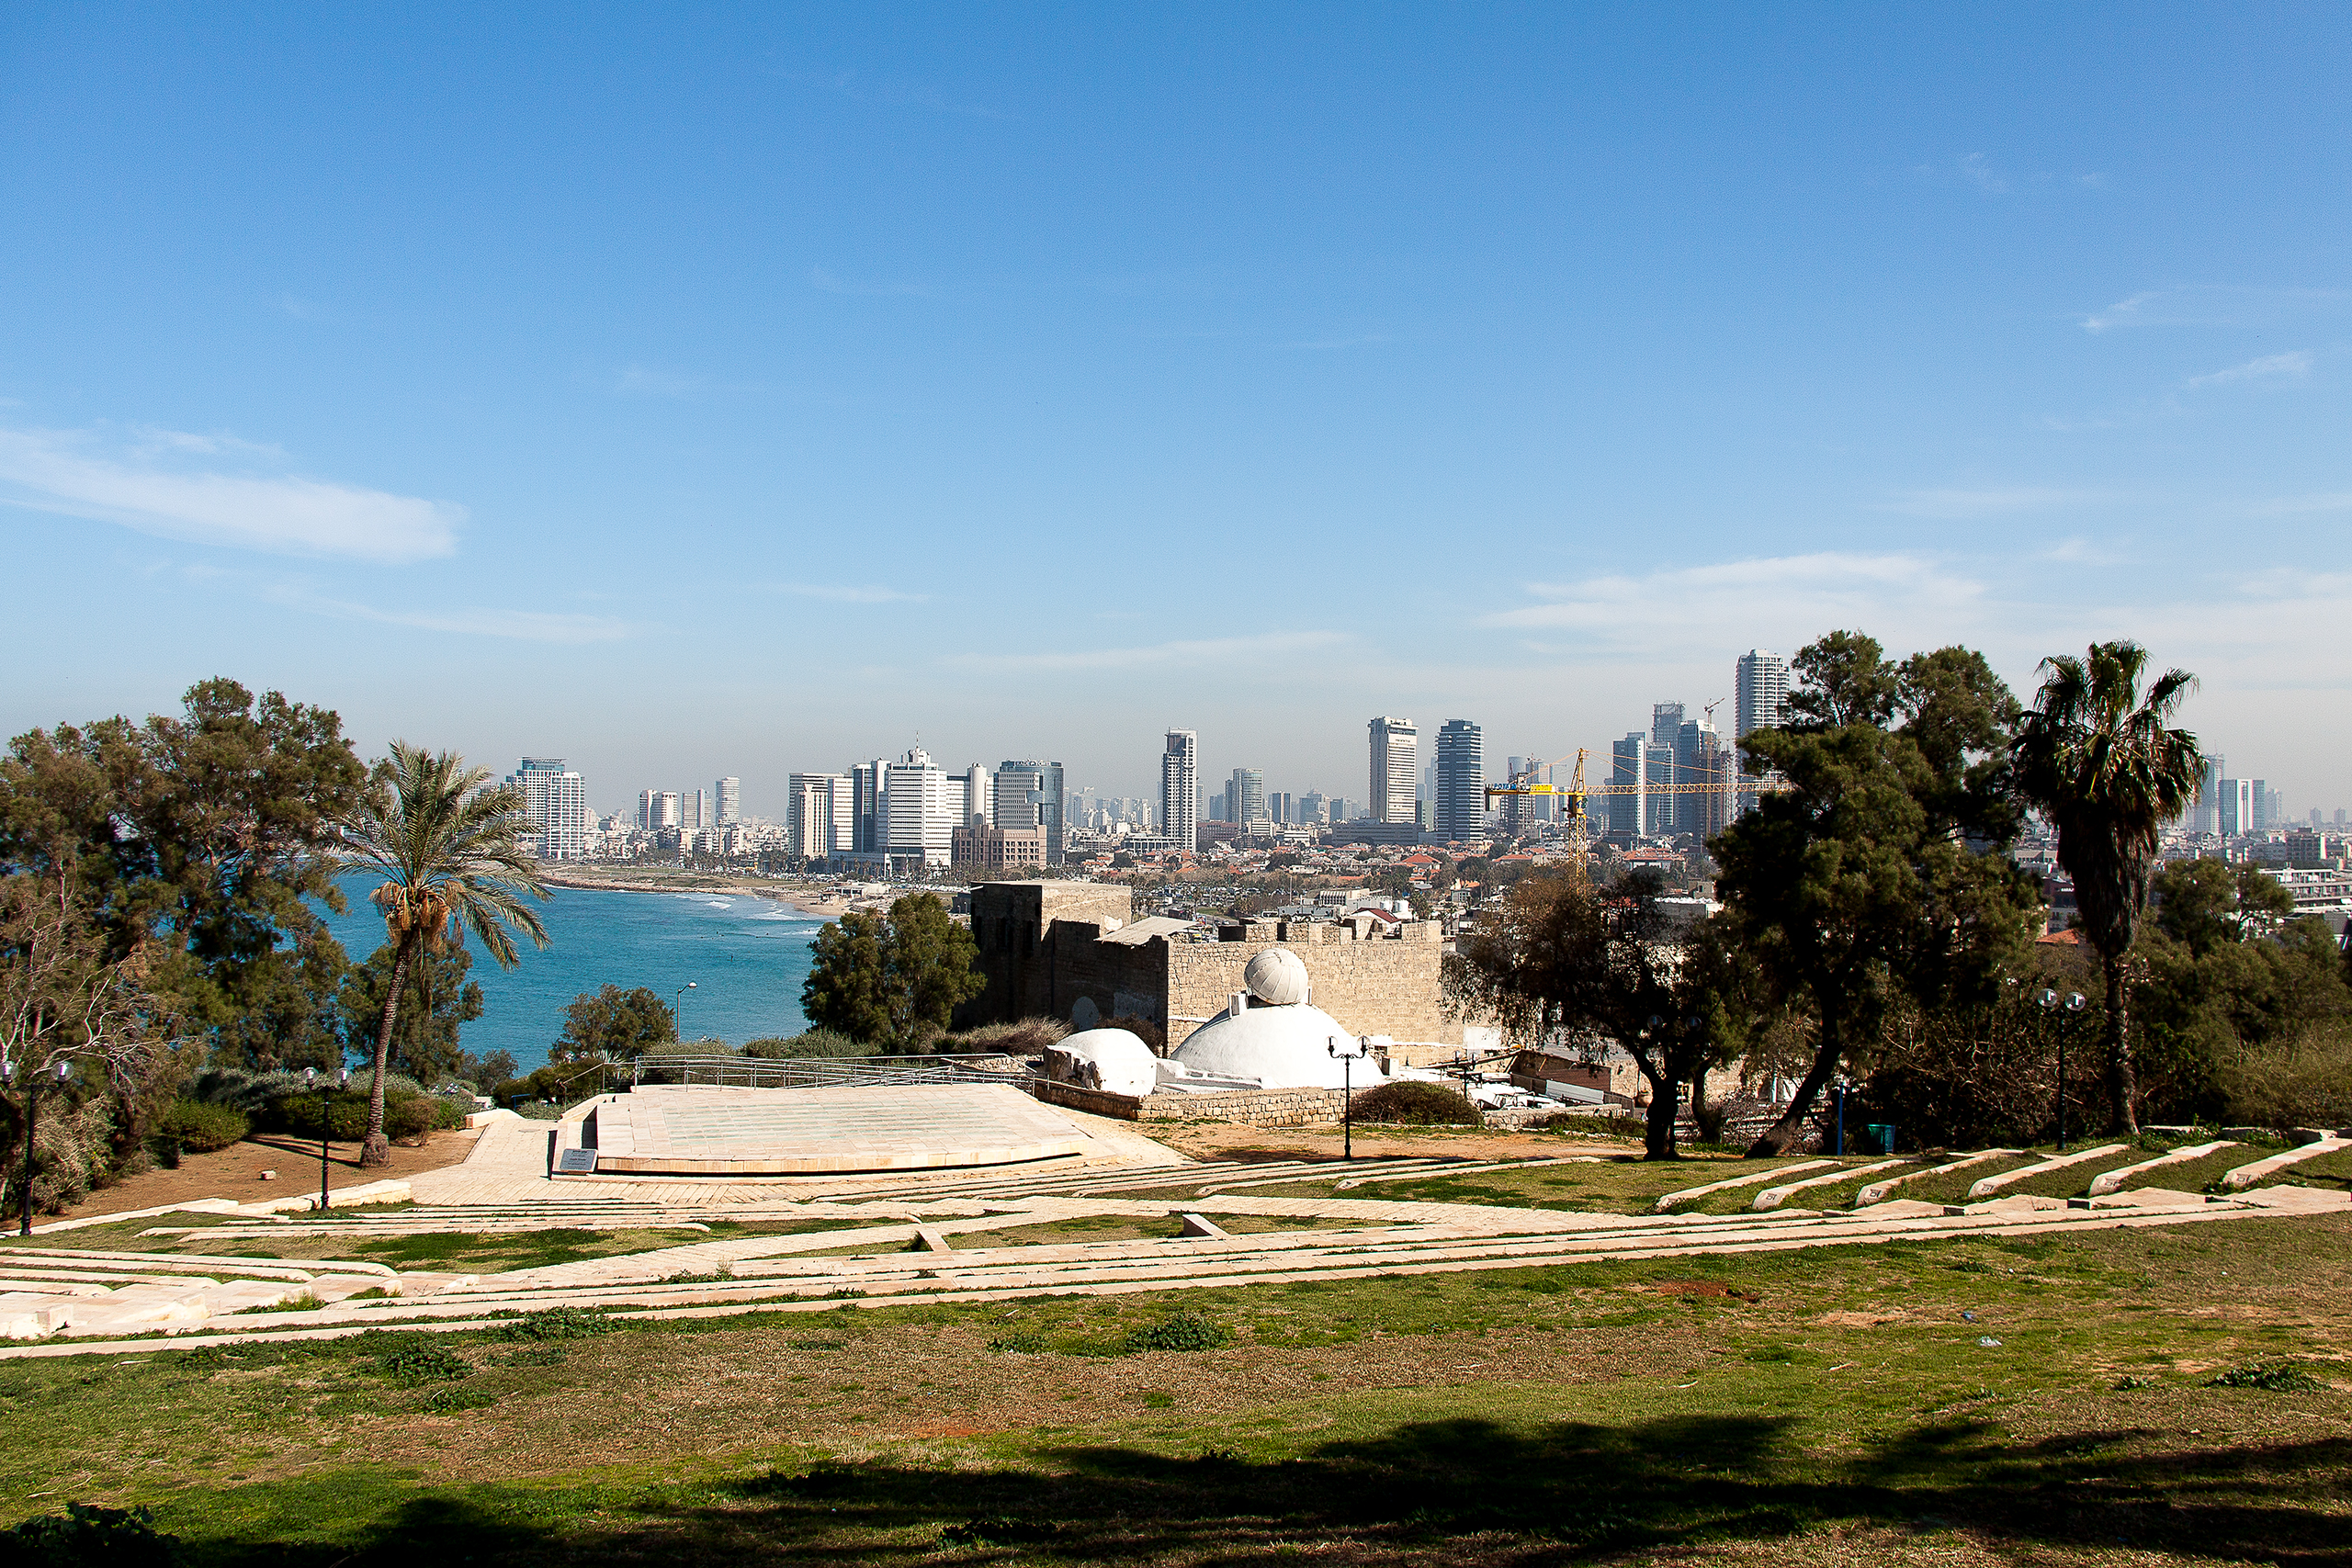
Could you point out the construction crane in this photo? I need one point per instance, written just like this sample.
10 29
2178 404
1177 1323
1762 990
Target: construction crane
1525 783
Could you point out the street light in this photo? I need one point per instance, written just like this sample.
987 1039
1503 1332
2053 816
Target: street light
2073 1004
678 1012
32 1097
1347 1059
310 1075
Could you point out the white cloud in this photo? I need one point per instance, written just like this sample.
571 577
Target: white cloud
1770 598
2213 305
520 626
1977 172
647 381
848 593
1186 654
2270 366
2000 501
147 486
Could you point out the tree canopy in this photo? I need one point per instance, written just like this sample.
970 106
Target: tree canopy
892 981
436 1003
614 1024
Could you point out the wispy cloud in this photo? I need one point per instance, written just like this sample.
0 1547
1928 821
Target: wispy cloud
648 381
848 593
149 483
1977 171
1957 505
1167 655
820 279
2269 368
2214 305
1775 596
2301 505
518 626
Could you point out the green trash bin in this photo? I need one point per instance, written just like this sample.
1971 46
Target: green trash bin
1880 1137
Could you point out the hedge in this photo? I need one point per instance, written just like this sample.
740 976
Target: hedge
1416 1104
200 1128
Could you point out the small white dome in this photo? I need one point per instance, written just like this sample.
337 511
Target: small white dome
1276 977
1282 1047
1113 1059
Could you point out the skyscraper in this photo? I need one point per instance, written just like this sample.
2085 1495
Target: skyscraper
1028 793
696 809
730 791
556 800
1761 695
867 830
1245 800
1666 727
820 817
1629 775
1396 769
1180 789
980 797
1458 806
919 809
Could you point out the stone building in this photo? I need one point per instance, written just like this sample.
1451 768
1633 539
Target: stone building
1043 945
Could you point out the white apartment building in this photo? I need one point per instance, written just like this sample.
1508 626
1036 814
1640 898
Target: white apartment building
821 819
1180 789
730 795
921 806
556 799
1396 769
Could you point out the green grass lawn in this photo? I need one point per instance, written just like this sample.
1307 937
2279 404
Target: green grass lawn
1832 1407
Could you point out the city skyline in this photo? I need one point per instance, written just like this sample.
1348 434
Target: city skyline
342 376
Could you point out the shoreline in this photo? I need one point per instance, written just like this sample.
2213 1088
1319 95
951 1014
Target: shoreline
815 906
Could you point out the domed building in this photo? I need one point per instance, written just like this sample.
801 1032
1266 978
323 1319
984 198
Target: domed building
1271 1034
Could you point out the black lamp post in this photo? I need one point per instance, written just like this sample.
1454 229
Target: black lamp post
678 1012
2073 1003
310 1075
1347 1060
32 1098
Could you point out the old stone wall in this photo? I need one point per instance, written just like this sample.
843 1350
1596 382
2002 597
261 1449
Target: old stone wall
1388 985
1020 951
1257 1108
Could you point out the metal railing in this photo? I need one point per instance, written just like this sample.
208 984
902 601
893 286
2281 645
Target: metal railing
825 1072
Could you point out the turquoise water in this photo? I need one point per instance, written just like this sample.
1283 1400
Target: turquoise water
746 957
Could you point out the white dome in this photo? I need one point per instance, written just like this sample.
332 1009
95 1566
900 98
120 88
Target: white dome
1282 1047
1277 976
1113 1059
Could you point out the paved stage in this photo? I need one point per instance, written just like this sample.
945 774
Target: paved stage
715 1132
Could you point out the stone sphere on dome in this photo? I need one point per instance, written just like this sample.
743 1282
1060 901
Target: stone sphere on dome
1277 978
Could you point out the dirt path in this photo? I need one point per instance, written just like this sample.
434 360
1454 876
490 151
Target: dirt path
235 1172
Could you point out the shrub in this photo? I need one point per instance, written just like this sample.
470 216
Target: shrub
2275 1377
1022 1037
811 1043
200 1128
1415 1105
2304 1080
87 1535
560 1322
413 1365
1187 1330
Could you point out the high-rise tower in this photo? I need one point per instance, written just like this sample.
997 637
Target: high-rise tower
1180 789
1760 692
1459 804
1396 769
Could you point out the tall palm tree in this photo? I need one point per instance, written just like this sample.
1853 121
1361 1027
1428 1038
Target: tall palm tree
2095 757
454 858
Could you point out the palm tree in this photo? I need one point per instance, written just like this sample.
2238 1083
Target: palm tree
2095 758
455 857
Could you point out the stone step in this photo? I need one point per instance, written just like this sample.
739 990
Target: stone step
2262 1169
2109 1181
1991 1184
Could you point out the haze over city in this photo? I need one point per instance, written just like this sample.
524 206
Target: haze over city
689 394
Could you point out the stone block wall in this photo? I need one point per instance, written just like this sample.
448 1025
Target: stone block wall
1257 1108
1384 986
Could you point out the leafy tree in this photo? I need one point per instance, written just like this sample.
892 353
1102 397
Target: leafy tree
1870 877
2207 905
892 981
452 853
614 1024
436 1003
202 835
2098 760
1590 969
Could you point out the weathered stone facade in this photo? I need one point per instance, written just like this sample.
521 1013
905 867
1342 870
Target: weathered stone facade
1258 1108
1045 945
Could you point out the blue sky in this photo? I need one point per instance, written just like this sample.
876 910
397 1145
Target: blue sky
687 391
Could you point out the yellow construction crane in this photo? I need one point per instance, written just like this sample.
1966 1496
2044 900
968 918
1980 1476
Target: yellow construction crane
1525 783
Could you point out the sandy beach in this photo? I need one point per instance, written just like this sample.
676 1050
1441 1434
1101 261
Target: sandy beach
815 902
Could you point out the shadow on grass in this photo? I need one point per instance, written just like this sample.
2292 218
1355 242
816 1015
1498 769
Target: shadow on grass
1470 1490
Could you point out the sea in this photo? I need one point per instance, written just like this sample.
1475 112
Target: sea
746 958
